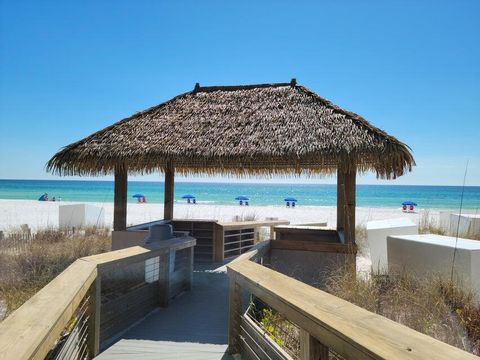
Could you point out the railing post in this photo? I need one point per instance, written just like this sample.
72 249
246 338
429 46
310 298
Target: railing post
311 348
94 320
234 313
164 279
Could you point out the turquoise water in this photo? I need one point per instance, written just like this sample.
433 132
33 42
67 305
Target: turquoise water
440 197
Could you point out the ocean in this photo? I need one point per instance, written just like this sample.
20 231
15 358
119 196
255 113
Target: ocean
427 197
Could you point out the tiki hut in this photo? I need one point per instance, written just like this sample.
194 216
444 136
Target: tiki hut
264 129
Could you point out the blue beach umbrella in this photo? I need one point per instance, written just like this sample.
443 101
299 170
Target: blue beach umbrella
188 196
242 198
408 203
290 199
138 196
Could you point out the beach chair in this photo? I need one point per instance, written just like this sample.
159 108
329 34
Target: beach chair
293 204
241 202
404 208
246 203
411 209
194 201
288 204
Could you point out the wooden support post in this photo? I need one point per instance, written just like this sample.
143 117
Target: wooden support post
164 279
340 199
120 201
350 187
219 243
234 314
169 188
346 186
311 348
95 294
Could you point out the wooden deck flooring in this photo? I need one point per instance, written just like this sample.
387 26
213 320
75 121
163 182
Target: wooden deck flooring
194 326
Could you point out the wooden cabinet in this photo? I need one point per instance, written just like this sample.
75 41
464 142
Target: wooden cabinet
218 241
204 232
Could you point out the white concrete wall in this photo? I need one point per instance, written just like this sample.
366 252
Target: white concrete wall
426 255
80 215
467 224
444 220
377 232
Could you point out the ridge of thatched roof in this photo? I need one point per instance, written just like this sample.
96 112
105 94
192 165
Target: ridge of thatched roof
275 128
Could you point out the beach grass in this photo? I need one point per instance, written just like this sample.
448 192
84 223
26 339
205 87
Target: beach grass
429 224
246 216
30 261
430 305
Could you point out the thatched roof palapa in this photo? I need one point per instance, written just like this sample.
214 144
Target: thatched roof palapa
252 129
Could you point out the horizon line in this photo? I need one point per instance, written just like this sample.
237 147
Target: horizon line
236 182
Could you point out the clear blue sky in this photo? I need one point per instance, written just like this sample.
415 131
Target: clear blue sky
411 68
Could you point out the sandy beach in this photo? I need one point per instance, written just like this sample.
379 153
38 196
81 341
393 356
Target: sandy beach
36 214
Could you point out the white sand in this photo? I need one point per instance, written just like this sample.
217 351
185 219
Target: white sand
37 214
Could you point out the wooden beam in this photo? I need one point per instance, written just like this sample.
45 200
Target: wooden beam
234 316
315 246
94 320
340 199
120 201
218 242
120 258
346 193
350 202
169 188
346 329
31 331
311 348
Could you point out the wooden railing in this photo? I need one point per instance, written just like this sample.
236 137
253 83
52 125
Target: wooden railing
327 324
108 292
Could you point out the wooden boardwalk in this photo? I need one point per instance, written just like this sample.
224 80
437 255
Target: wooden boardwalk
194 326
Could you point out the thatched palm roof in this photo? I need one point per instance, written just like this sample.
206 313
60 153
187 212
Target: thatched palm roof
259 129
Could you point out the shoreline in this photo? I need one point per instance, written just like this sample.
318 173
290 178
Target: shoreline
37 214
260 194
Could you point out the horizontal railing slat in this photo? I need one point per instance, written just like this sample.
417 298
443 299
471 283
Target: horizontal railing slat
347 329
